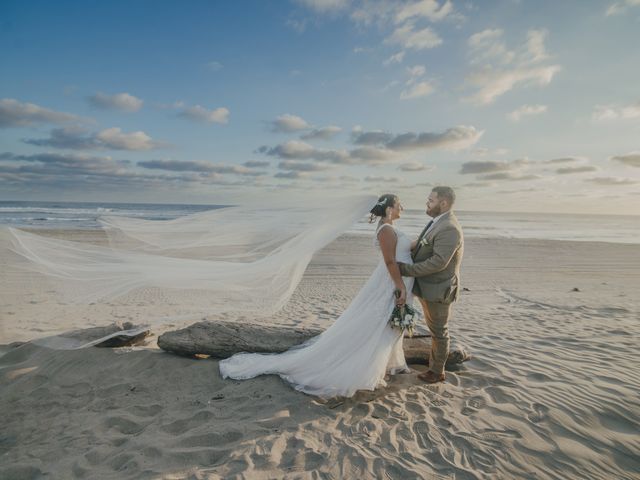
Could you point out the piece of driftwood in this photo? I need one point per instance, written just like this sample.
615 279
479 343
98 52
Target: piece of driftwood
125 340
89 335
222 339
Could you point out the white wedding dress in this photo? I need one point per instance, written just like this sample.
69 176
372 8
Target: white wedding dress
353 354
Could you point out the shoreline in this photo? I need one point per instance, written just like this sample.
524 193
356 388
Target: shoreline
78 232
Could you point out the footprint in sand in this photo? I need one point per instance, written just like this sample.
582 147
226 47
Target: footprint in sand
359 412
477 402
122 461
473 404
146 410
298 456
538 377
421 429
181 426
123 425
498 436
379 412
151 452
539 414
415 407
210 439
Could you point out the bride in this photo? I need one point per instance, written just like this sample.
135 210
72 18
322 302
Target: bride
358 350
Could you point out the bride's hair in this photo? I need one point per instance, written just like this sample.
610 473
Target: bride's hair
380 208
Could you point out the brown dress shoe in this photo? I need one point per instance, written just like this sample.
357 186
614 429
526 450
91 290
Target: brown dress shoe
431 377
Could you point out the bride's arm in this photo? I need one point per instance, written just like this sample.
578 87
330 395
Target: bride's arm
387 239
414 244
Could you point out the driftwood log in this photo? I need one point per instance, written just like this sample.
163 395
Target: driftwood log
120 335
222 339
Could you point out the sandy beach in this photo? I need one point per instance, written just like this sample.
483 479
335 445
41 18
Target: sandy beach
552 390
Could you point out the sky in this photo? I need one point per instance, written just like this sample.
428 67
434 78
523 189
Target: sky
529 106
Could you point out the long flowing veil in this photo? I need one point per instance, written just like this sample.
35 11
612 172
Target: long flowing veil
242 261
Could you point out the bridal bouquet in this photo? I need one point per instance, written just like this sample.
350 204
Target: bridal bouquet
403 317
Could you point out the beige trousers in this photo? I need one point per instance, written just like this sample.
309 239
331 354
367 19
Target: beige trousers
437 316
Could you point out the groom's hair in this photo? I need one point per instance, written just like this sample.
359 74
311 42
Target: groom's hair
445 192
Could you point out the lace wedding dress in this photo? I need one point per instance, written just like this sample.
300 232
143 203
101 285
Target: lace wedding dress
353 354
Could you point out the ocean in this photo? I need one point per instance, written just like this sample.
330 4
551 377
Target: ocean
563 227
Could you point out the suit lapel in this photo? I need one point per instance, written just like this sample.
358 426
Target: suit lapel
438 225
422 234
432 232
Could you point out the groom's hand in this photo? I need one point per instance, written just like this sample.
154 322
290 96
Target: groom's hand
400 265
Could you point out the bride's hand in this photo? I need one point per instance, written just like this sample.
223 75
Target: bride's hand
401 296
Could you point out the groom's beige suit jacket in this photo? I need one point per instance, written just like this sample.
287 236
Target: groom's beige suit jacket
437 257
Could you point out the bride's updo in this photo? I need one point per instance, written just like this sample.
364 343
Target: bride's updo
380 208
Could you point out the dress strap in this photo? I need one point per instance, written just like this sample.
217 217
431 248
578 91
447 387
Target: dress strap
380 227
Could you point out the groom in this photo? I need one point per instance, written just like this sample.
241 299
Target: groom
437 256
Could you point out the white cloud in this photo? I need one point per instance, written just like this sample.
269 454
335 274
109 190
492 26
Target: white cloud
509 176
119 101
289 123
492 166
535 45
291 175
415 72
493 83
481 39
485 167
303 166
414 167
579 169
566 160
410 38
487 46
69 170
414 87
618 8
198 113
504 69
197 166
615 112
455 138
612 181
256 164
383 12
395 58
371 155
526 110
376 179
484 151
324 133
325 6
65 163
297 150
110 139
417 90
631 159
116 139
335 179
16 114
429 9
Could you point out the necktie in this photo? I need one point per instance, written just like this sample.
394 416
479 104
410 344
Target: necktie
424 232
